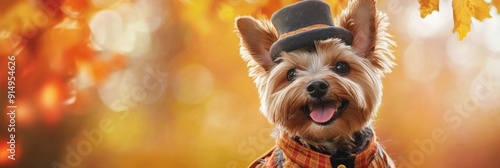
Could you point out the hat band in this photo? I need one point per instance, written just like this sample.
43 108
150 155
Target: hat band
291 33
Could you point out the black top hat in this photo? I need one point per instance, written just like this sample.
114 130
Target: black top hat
302 23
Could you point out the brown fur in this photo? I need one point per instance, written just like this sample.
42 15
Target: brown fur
281 101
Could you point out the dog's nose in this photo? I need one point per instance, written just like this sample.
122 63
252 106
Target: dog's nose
317 88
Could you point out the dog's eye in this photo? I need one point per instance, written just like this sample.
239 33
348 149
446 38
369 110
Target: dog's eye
291 74
342 68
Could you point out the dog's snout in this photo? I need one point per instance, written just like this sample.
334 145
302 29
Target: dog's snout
317 88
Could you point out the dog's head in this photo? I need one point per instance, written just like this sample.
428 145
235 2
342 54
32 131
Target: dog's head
322 92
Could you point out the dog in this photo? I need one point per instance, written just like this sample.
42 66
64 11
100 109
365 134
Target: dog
318 83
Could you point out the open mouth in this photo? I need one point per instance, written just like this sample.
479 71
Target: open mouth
325 112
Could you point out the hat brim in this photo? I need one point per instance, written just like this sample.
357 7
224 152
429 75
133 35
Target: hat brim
307 38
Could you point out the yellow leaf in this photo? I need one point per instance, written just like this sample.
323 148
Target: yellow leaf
428 6
496 3
463 10
461 17
480 9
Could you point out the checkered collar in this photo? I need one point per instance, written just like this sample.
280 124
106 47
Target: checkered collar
306 157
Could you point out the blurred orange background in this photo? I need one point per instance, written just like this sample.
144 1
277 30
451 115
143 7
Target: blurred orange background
151 83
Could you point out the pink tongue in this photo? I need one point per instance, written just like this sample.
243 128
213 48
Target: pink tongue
322 113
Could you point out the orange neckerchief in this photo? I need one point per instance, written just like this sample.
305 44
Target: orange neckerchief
305 157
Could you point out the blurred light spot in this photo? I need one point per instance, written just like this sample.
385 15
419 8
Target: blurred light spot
115 92
226 12
140 25
153 12
193 84
49 96
463 55
491 33
50 100
25 114
142 45
421 65
128 34
131 25
84 77
429 26
4 153
129 88
106 27
105 3
127 42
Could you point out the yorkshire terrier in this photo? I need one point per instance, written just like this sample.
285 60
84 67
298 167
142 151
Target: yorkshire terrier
319 83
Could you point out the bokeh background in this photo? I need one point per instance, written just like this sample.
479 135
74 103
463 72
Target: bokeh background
153 83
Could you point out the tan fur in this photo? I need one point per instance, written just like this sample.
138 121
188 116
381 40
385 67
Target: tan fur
371 39
281 101
259 36
361 87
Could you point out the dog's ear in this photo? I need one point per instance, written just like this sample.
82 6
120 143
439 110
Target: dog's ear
256 38
369 28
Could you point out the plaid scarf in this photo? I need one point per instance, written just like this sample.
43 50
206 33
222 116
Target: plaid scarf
296 155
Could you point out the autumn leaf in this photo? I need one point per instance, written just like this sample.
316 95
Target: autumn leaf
496 3
464 10
480 9
428 6
462 18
